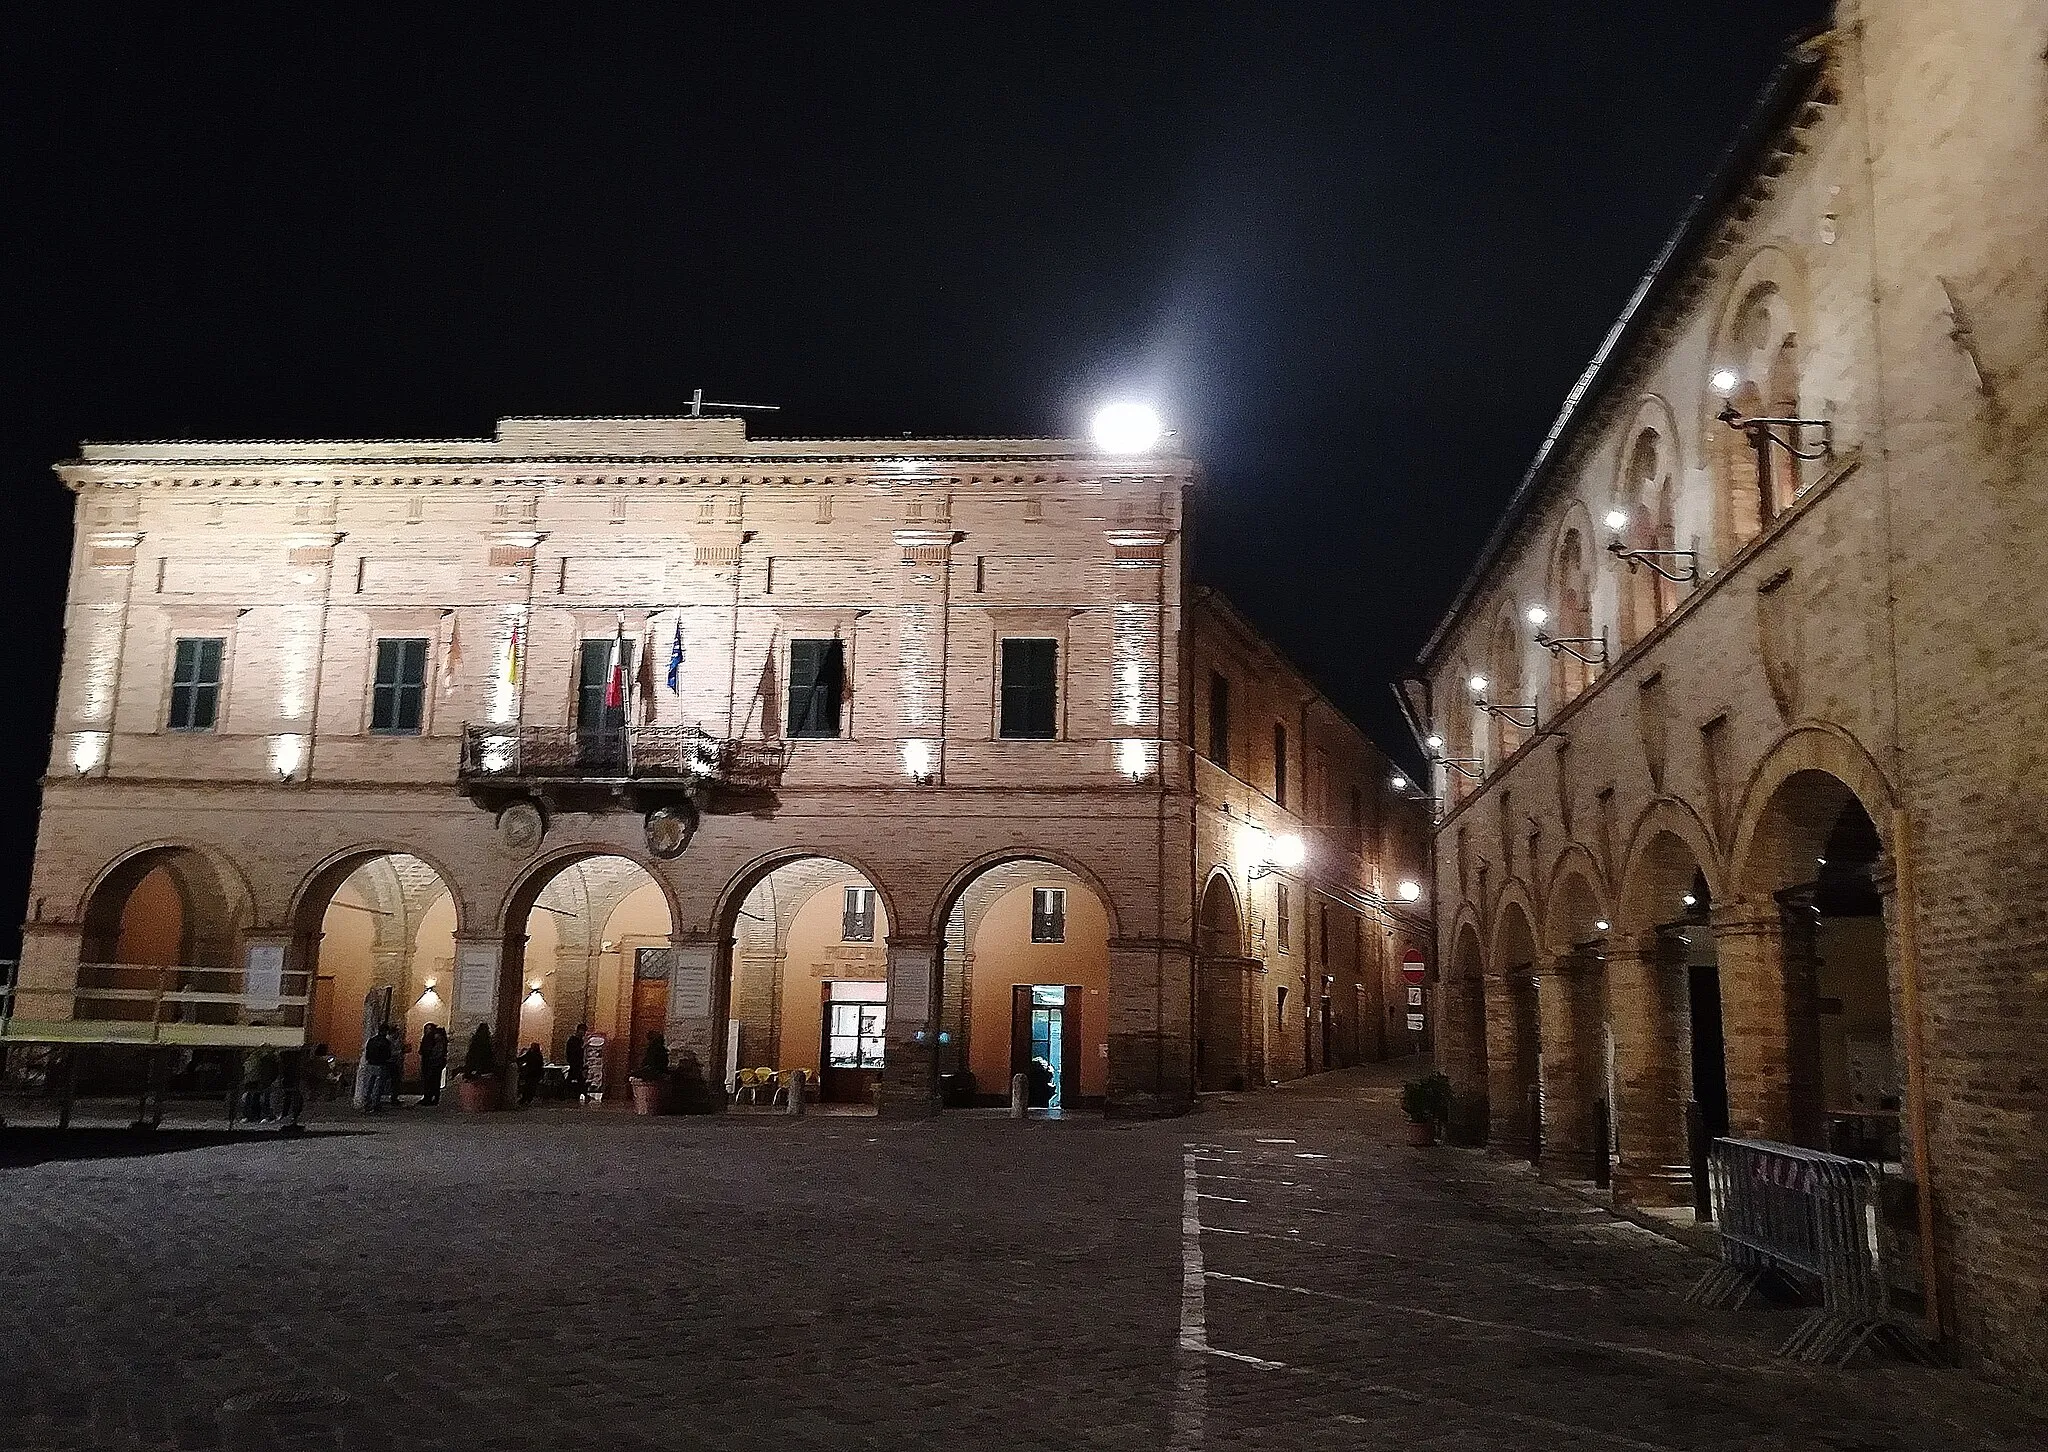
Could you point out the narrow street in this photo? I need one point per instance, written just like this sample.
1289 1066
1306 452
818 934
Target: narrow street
1277 1272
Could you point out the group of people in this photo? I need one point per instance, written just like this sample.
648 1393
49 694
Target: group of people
384 1066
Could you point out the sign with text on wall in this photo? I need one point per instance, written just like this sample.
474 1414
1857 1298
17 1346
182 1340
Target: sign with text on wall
476 978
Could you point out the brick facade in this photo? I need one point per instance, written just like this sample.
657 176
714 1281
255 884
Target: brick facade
1856 673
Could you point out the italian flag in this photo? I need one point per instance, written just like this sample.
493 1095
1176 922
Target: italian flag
615 682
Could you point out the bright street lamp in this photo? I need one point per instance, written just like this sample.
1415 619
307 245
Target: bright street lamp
1409 891
1126 428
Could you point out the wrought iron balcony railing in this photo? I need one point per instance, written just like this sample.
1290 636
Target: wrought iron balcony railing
681 755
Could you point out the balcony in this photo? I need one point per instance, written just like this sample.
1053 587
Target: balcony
636 766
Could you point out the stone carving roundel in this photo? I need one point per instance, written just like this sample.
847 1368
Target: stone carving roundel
520 827
669 830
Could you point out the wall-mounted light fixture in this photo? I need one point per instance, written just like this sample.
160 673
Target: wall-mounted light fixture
1683 574
1409 891
1588 649
1265 852
1789 434
917 761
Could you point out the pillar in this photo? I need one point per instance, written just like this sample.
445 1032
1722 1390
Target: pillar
1510 1067
1151 1048
910 1060
1646 1003
699 983
1760 1006
1568 1012
48 971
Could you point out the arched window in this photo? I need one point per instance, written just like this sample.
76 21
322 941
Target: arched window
1571 586
1647 493
1462 737
1762 352
1506 686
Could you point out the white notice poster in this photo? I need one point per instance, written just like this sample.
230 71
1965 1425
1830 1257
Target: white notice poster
263 977
910 992
476 978
689 989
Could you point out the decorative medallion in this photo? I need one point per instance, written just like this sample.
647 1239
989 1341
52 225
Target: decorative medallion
520 827
669 830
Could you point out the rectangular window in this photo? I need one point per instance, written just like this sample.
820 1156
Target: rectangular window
593 684
1279 763
1219 719
1048 915
857 921
195 683
816 675
1284 917
854 1027
1031 690
398 699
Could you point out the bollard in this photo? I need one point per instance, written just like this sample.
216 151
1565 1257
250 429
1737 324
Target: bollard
1603 1147
796 1091
1020 1095
1696 1148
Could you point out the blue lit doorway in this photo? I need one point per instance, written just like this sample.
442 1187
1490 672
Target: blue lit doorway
1044 1028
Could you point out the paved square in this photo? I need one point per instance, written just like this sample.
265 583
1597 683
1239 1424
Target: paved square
1278 1272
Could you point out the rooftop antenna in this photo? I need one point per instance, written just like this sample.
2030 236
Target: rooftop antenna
698 405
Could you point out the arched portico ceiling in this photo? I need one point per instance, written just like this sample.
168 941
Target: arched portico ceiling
966 876
744 882
1514 932
1575 906
1793 799
1669 843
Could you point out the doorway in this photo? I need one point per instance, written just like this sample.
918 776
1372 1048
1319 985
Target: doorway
650 1002
600 724
854 1019
1044 1023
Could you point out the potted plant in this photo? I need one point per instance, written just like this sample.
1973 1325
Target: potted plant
1427 1103
650 1080
477 1089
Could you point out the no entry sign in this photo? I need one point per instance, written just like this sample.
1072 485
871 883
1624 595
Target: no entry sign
1412 967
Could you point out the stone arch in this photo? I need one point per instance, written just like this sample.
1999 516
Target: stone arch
317 887
113 884
960 881
1464 740
1756 338
1646 493
168 904
519 897
1220 935
1821 749
1514 898
1464 994
1647 876
1514 1043
734 895
1574 899
1507 681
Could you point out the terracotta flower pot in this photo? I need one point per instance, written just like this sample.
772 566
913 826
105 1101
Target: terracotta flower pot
477 1096
1421 1133
650 1096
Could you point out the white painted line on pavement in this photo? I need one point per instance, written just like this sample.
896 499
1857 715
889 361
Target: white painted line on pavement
1258 1361
1191 1377
1226 1199
1654 1353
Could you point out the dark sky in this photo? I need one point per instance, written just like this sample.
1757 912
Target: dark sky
1357 254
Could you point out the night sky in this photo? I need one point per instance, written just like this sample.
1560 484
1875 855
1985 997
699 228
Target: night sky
1355 254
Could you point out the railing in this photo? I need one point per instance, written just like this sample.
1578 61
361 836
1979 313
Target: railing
681 754
146 1004
1803 1221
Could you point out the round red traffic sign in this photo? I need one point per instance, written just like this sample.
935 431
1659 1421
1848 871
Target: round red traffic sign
1412 966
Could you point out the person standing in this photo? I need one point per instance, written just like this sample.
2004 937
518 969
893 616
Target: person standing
579 1082
433 1061
377 1055
395 1065
532 1064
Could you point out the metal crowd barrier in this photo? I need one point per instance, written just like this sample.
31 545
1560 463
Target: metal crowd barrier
1801 1221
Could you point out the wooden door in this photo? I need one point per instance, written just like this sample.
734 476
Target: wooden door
650 1016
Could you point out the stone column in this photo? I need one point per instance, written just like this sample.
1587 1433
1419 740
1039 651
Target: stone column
1568 1005
1508 1076
1749 946
699 974
1646 1000
910 1061
48 970
1151 1051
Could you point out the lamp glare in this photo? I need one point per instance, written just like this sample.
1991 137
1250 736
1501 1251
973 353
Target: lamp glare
1616 519
1409 891
1724 381
1126 428
1538 615
1478 685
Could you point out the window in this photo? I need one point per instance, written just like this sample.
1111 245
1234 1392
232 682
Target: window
854 1017
1282 912
195 683
857 921
1279 763
816 672
593 685
398 700
1048 915
1219 719
1030 690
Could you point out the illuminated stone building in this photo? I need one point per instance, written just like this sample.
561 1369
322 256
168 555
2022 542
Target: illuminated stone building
870 758
1738 717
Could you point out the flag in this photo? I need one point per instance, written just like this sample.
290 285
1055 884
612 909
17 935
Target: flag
451 658
675 659
615 683
643 676
513 651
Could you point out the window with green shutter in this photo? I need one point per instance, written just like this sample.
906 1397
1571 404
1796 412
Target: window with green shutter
195 683
398 698
1031 696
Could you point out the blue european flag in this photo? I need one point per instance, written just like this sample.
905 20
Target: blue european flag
675 659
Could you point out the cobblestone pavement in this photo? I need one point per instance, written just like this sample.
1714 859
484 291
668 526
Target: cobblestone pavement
1276 1272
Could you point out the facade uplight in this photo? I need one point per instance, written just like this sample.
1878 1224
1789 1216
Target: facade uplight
1409 891
1724 381
1691 901
917 761
1435 743
1478 685
1537 615
1126 428
1616 519
286 752
1602 925
1398 781
88 751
